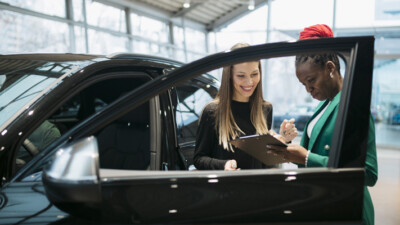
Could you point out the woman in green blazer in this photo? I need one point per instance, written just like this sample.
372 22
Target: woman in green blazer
320 74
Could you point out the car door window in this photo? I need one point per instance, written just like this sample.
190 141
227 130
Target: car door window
296 103
189 101
191 97
80 106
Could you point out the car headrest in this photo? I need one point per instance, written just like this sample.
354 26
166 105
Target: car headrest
139 115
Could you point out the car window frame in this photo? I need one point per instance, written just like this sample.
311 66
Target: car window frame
358 48
65 138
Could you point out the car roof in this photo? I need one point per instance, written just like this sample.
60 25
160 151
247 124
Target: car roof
68 57
52 57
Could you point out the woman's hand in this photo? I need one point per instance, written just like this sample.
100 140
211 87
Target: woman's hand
231 165
277 136
292 153
288 130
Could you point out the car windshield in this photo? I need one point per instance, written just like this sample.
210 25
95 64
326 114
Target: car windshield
22 82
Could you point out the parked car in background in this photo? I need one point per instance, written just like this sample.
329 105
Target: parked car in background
394 114
396 118
119 133
301 114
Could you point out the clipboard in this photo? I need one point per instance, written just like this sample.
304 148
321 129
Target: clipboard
255 145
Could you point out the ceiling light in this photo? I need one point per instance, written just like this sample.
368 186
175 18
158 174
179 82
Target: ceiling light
251 5
186 4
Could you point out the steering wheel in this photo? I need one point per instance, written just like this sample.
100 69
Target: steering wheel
30 147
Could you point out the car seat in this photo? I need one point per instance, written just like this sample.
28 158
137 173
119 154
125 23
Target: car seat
125 143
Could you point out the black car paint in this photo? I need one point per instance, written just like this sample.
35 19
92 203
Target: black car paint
183 199
351 188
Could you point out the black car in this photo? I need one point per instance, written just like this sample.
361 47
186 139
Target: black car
119 135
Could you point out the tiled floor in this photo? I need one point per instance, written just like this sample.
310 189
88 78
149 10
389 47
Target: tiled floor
386 193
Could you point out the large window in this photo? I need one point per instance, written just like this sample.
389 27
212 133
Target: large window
106 43
150 28
385 103
372 17
105 16
244 30
196 40
53 7
23 33
85 26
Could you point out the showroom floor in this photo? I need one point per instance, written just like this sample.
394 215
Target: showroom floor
386 193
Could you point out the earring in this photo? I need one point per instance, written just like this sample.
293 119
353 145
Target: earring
331 75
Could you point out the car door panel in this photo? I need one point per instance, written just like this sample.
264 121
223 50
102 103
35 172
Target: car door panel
248 197
231 197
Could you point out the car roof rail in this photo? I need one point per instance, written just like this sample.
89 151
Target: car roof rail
145 57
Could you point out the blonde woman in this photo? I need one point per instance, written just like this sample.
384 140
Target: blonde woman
239 109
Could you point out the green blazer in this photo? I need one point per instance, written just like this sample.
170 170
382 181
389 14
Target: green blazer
319 145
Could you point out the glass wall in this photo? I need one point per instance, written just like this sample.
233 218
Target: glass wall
244 30
372 17
91 27
196 44
385 105
106 43
20 33
155 36
104 16
53 7
179 41
147 27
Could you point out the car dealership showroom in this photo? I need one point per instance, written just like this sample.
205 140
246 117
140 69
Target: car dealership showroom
200 112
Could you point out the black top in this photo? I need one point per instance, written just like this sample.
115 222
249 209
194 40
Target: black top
209 155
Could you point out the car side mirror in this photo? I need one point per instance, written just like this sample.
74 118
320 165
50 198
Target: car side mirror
72 180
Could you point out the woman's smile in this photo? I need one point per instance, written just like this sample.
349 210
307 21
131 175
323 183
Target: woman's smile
248 89
245 78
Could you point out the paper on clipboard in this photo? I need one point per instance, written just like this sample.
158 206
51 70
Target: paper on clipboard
255 145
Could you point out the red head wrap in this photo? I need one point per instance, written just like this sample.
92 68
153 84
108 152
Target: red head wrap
316 31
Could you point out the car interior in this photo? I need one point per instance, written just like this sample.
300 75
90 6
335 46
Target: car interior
82 105
125 143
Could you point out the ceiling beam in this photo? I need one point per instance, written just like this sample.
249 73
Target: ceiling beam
183 10
147 10
234 15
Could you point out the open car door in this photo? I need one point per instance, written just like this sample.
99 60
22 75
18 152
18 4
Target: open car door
332 194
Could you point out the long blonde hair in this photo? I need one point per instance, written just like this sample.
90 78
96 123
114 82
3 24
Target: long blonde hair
225 124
